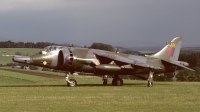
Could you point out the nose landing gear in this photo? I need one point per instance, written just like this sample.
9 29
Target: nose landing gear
70 82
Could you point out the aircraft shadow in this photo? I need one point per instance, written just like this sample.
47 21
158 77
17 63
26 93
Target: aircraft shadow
82 85
125 85
33 86
110 84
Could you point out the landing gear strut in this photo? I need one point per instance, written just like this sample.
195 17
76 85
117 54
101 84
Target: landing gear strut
105 80
150 79
70 82
117 81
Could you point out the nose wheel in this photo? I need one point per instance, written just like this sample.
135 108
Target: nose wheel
150 84
70 82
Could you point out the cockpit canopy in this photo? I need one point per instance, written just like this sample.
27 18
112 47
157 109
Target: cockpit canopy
49 49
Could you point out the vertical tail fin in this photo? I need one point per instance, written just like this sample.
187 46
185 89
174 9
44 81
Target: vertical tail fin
170 51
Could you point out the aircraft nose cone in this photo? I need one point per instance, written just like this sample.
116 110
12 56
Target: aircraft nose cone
22 59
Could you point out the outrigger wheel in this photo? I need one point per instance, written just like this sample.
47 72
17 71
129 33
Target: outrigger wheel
150 84
72 83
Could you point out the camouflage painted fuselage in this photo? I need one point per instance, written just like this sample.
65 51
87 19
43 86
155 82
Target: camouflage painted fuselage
87 60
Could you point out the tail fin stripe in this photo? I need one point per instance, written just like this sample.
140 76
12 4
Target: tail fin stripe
171 51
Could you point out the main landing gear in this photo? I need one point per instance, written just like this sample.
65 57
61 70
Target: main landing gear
150 79
105 80
70 82
117 81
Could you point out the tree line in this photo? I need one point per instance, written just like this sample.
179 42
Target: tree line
193 58
10 44
189 76
101 46
107 47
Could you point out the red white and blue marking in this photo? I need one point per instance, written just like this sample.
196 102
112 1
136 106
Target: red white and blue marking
171 50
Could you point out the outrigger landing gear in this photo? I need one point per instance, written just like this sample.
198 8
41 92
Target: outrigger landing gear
70 82
105 80
117 81
150 79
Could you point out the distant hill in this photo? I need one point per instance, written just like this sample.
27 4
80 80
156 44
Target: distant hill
152 49
149 49
122 48
190 49
128 51
66 44
158 48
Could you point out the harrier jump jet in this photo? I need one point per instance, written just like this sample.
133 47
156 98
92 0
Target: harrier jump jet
100 62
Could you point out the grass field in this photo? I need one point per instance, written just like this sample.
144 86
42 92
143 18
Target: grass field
11 51
27 93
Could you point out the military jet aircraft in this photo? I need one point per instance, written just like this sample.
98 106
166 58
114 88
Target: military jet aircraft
100 62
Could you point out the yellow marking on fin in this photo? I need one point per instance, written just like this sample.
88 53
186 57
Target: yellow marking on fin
172 44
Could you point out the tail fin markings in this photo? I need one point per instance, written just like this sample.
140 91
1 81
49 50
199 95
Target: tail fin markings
170 51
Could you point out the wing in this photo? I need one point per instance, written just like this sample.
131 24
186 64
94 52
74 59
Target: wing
125 60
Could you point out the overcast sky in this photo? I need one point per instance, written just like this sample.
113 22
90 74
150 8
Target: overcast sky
127 23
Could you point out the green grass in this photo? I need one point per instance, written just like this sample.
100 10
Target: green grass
11 51
20 76
89 96
4 60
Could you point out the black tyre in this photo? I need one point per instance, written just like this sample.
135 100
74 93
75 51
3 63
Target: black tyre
105 82
72 84
150 84
117 82
113 82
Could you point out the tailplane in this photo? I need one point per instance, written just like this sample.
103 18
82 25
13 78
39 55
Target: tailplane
170 51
